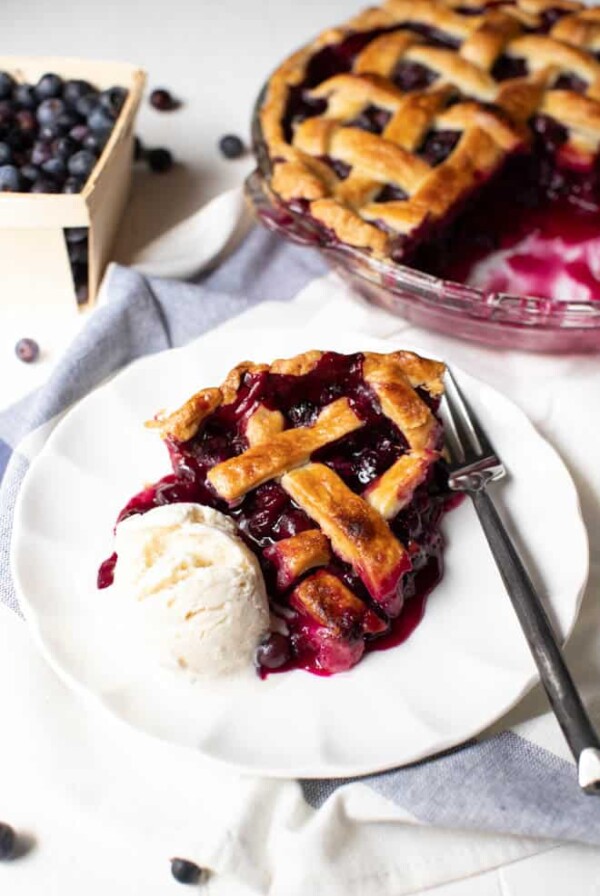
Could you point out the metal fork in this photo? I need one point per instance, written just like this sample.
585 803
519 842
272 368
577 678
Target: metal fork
474 464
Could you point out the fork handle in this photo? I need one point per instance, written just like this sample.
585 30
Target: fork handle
554 674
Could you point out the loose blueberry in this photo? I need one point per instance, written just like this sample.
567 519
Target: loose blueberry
44 185
10 179
99 120
82 163
8 838
24 96
112 100
48 86
273 651
231 146
49 111
185 872
5 154
159 160
163 100
56 169
6 85
27 350
74 90
73 185
79 133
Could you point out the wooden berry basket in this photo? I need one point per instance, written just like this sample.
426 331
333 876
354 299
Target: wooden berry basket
34 264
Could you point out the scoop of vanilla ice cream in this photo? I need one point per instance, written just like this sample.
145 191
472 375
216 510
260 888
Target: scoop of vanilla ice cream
198 590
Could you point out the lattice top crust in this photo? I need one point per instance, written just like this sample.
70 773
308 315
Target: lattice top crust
388 122
347 441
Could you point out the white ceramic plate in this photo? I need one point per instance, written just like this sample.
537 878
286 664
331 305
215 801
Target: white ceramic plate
465 665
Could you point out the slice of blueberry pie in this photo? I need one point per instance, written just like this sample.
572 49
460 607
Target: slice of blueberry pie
459 137
330 467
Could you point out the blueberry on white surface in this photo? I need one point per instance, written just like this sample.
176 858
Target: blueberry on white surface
26 350
185 872
231 146
159 160
163 100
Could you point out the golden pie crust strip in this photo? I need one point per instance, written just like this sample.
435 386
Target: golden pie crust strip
284 451
294 556
185 422
325 599
358 533
395 488
400 402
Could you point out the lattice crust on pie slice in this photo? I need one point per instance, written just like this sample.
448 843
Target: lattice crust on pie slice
358 533
275 449
283 451
329 602
347 131
294 556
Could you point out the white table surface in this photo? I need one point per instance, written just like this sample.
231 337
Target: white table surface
214 55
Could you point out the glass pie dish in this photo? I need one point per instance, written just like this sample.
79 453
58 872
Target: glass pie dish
494 318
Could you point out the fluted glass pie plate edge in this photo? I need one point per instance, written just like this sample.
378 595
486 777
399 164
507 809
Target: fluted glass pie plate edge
496 319
465 665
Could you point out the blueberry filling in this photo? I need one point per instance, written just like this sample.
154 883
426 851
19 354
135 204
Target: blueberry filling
412 76
507 67
342 169
572 82
438 145
372 119
391 193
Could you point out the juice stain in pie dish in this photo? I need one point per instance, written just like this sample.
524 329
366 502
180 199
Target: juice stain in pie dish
319 478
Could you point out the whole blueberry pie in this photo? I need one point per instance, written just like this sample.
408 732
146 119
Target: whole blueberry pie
458 137
330 467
